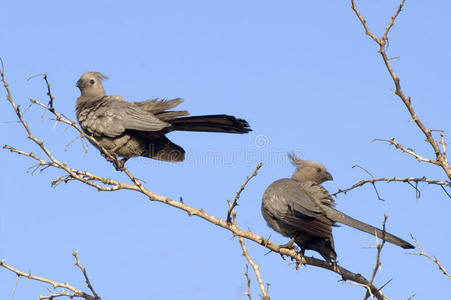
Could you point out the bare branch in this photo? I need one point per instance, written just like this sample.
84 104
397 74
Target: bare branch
83 270
379 247
394 179
246 274
440 158
235 201
374 185
54 284
433 259
231 219
407 150
254 266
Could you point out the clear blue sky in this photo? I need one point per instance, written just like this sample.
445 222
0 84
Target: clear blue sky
305 77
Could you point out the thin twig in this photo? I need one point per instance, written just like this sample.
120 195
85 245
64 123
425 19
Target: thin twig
254 266
231 219
394 179
246 274
374 185
49 92
407 150
379 247
433 259
75 292
237 196
440 158
83 270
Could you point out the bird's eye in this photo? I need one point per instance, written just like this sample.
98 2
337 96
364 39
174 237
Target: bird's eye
318 170
91 81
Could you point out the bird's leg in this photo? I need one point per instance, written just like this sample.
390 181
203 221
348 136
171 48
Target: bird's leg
289 245
331 262
302 251
119 164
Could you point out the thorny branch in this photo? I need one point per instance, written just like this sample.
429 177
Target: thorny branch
394 179
440 154
74 292
379 247
49 92
83 270
90 179
256 267
433 259
235 201
246 274
231 217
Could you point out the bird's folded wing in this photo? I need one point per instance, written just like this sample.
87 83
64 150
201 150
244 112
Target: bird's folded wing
113 116
158 105
295 208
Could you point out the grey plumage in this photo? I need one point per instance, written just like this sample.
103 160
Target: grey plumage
302 209
129 129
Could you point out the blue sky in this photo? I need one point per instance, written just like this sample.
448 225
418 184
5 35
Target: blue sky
305 77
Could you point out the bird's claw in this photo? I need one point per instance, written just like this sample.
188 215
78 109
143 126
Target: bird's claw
290 246
119 164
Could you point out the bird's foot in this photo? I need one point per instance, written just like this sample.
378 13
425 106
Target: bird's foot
119 164
290 245
333 263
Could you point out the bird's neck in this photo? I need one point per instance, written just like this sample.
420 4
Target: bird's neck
83 100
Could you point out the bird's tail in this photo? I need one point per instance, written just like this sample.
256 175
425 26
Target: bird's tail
340 217
211 123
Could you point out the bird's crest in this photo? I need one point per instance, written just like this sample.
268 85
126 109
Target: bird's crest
296 161
99 75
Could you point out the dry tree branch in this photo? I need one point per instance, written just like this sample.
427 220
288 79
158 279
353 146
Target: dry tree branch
89 179
246 274
83 270
440 154
49 92
379 247
433 259
254 266
231 218
235 201
65 286
373 184
394 179
407 150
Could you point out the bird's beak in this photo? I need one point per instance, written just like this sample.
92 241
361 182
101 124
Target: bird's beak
80 84
329 176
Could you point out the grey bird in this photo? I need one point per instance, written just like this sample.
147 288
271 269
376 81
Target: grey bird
302 209
127 129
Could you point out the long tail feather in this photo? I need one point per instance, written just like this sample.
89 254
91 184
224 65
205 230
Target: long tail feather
340 217
211 123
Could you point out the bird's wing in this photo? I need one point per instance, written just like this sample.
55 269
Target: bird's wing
111 116
158 105
288 203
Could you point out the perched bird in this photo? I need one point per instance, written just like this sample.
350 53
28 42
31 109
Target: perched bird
127 129
302 209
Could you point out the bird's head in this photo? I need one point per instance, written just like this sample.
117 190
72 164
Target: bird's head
90 84
309 170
